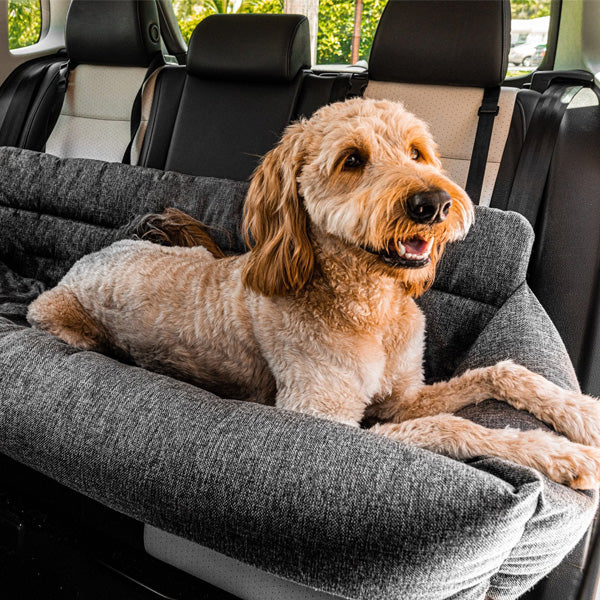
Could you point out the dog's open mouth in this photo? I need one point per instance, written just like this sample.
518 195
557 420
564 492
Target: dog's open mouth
412 253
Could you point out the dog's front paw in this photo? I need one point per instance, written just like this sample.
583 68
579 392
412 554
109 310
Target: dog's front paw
575 415
587 426
577 466
559 459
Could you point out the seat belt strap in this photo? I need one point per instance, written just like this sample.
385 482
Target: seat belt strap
529 183
61 90
557 89
481 146
136 111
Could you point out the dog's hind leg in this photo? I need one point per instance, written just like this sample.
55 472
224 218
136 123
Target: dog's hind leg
173 227
571 413
59 312
556 457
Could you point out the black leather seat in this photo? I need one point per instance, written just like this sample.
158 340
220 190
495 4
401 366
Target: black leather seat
230 104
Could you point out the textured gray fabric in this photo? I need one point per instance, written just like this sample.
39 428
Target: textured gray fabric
320 503
473 280
70 207
16 293
491 262
331 507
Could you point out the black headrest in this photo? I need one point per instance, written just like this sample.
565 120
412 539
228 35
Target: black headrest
250 47
444 42
113 32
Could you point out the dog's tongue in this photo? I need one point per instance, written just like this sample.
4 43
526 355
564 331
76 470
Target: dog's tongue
416 245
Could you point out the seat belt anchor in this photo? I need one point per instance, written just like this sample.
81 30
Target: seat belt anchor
488 110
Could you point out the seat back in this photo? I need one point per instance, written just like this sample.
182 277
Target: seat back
110 46
437 58
30 100
230 104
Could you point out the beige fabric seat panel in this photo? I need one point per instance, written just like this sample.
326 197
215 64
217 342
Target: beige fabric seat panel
146 107
451 113
95 118
80 137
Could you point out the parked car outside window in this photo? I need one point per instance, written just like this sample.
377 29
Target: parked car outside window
538 55
522 54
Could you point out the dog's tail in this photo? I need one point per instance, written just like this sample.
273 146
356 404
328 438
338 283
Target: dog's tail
175 228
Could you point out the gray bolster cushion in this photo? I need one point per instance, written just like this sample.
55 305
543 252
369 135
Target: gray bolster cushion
335 508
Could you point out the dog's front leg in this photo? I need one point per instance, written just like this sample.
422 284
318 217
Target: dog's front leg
571 413
556 457
341 405
323 374
320 388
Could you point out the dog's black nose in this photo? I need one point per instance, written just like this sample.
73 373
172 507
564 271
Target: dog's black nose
429 207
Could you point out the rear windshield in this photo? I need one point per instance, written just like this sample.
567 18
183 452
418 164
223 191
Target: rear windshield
345 28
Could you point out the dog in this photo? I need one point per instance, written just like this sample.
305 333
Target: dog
346 219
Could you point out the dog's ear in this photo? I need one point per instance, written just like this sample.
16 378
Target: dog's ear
275 221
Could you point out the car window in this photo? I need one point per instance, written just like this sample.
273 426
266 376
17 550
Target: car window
345 28
190 12
528 35
24 23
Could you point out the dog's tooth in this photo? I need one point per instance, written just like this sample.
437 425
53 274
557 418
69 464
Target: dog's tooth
401 249
416 256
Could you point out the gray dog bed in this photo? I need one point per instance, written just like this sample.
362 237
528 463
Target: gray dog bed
311 501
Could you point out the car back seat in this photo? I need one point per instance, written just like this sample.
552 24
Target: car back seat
437 58
324 87
230 104
110 46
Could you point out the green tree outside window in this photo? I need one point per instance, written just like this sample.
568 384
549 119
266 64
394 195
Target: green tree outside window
190 12
336 26
336 20
24 23
334 37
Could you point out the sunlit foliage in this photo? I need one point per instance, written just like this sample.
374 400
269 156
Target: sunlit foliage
336 21
24 23
190 12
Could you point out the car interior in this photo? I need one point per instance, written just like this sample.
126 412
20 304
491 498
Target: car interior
121 483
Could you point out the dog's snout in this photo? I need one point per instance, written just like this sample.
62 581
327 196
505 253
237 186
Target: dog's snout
429 207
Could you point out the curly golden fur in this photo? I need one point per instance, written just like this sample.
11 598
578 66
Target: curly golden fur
319 316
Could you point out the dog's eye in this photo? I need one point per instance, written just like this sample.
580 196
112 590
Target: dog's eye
415 154
353 161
